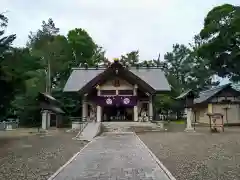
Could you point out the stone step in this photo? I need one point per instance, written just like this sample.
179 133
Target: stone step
130 127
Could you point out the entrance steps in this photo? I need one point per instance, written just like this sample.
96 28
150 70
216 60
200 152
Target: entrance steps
118 127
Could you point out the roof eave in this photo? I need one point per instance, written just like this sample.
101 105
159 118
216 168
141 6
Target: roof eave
207 100
162 91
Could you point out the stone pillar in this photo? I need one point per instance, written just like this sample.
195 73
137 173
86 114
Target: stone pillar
150 108
99 113
44 119
189 120
135 113
48 119
84 110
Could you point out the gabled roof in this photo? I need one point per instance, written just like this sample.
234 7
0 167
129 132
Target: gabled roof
184 94
80 77
48 102
205 95
155 77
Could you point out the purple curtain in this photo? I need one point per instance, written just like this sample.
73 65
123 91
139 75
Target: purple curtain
129 101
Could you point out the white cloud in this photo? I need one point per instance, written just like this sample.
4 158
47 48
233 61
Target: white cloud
151 26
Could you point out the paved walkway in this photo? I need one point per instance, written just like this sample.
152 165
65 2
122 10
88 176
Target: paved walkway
113 157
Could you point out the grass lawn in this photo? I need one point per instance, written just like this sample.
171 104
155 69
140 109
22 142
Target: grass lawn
179 122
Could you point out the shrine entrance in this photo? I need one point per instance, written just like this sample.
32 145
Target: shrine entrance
117 113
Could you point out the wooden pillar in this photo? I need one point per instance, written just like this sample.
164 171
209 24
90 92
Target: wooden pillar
84 110
99 108
135 108
135 113
99 113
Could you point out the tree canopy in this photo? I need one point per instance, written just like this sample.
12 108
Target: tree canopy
45 63
221 37
8 82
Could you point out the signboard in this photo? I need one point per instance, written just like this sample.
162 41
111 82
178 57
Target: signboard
216 121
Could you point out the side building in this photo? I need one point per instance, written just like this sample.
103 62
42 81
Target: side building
222 99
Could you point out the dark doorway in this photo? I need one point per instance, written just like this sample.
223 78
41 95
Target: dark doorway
117 113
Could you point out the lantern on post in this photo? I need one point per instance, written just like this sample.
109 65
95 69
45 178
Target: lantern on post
187 98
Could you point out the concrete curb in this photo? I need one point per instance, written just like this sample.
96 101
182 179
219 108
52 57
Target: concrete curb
99 131
165 170
68 162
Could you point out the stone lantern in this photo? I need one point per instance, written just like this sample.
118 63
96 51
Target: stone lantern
188 100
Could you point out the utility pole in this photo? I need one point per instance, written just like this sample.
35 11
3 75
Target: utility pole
46 115
158 60
48 77
49 86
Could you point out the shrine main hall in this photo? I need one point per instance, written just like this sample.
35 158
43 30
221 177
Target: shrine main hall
117 92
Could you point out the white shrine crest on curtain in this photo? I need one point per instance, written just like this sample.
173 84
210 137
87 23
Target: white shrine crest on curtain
126 100
108 101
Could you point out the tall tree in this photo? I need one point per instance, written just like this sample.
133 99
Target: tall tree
31 65
98 57
221 36
7 82
177 67
131 58
43 36
27 68
42 44
185 70
201 71
83 47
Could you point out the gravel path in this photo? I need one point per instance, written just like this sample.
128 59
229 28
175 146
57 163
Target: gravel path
36 157
198 156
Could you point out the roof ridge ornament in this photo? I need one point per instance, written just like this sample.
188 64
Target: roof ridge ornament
116 59
97 87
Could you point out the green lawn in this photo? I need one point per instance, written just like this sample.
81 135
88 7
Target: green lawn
179 122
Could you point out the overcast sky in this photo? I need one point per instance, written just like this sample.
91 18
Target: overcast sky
119 26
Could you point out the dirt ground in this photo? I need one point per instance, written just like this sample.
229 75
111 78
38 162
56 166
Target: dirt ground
197 156
26 155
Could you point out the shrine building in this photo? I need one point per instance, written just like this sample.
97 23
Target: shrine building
117 92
